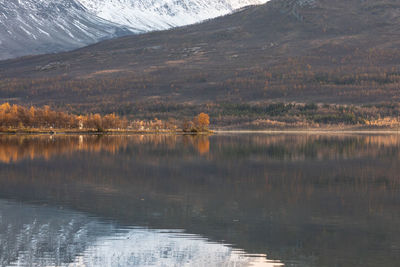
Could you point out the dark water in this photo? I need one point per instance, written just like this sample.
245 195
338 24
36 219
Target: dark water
224 200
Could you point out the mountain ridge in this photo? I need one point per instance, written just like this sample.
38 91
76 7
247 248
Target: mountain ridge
39 26
36 27
150 15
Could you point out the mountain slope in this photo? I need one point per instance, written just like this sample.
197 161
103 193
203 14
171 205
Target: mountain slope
44 26
34 27
148 15
342 51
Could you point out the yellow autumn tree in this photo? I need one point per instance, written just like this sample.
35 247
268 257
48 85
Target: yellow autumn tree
202 121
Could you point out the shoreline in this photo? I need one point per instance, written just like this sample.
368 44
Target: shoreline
89 132
310 131
241 131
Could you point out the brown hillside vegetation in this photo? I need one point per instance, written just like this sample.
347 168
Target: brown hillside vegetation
290 51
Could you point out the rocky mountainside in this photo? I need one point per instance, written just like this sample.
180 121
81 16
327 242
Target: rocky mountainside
45 26
149 15
35 27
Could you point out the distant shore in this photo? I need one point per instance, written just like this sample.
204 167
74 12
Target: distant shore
95 132
311 131
315 130
324 130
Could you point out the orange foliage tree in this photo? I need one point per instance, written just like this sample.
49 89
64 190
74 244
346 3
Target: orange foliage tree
202 121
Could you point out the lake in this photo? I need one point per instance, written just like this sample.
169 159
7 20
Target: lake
221 200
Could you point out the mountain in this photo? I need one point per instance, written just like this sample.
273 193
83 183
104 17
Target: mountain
323 51
44 26
149 15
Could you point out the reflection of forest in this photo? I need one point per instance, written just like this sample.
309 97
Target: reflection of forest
322 200
290 147
14 148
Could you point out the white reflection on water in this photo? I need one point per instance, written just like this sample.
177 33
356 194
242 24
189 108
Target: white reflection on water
45 236
143 247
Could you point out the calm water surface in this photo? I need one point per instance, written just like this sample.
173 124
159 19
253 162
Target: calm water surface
223 200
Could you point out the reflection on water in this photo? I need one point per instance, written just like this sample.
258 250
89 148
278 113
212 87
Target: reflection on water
45 236
307 200
15 148
294 147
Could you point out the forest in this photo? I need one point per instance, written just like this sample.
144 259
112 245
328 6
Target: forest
19 117
16 117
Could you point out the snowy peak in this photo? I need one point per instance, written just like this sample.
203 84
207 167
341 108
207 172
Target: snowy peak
42 26
147 15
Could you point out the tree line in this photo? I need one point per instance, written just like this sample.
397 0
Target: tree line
20 117
16 116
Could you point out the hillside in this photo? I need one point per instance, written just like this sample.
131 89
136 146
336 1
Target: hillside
43 26
33 27
333 52
150 15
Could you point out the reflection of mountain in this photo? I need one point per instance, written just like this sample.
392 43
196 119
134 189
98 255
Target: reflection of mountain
45 236
35 236
310 200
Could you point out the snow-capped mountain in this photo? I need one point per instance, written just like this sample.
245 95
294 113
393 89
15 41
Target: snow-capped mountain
147 15
42 26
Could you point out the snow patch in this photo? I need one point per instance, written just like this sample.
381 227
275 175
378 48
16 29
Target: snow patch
148 15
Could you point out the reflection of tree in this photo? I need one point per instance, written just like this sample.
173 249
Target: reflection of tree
14 148
203 145
200 142
262 147
302 147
